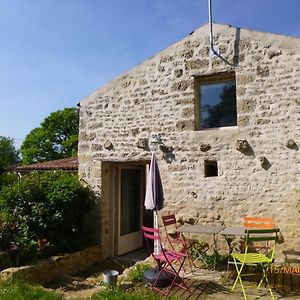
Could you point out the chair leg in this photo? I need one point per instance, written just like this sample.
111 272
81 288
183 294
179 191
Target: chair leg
239 278
265 277
228 272
157 278
177 276
168 269
200 256
190 259
161 272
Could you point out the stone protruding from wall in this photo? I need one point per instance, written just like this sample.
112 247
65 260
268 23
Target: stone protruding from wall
242 145
205 147
108 145
142 143
291 144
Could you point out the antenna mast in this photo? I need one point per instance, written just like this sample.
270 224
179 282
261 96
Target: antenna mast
213 52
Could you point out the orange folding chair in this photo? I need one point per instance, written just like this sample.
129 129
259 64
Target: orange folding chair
258 222
166 261
175 239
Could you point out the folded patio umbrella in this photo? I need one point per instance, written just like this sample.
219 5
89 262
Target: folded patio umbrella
154 198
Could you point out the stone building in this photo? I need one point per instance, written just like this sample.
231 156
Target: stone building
230 128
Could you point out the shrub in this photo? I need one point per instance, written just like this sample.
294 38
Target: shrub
7 179
50 207
8 231
9 251
137 272
214 260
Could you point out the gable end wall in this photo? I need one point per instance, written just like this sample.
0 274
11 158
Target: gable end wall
158 96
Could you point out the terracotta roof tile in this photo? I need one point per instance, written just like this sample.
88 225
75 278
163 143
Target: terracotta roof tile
69 163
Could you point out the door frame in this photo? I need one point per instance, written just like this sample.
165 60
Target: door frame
114 204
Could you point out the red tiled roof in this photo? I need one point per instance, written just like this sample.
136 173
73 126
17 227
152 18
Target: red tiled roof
69 163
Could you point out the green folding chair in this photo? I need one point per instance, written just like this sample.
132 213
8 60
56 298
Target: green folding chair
252 257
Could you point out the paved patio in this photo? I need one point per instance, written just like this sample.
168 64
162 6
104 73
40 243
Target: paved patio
204 284
210 285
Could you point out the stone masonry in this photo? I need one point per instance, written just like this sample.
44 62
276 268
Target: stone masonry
158 96
56 267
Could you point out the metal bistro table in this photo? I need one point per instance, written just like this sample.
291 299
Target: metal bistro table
203 229
238 231
235 231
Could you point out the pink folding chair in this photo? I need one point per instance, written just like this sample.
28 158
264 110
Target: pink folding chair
169 263
174 238
177 240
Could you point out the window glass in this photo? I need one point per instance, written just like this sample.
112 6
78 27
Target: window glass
217 104
131 200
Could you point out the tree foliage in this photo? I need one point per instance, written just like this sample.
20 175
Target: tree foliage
49 206
57 137
8 153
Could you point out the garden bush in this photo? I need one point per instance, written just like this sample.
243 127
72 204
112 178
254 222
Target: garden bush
48 207
7 179
211 261
137 271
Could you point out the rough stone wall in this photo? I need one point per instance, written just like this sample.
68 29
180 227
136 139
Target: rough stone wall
158 96
55 267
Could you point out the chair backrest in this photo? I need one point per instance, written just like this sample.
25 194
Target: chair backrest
253 236
257 222
173 237
150 235
169 220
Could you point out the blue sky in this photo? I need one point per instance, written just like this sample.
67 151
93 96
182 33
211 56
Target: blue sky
54 53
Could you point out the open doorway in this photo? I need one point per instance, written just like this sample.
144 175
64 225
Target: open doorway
129 212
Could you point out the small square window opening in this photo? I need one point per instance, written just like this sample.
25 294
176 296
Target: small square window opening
210 168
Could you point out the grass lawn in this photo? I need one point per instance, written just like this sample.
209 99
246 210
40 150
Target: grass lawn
18 290
119 294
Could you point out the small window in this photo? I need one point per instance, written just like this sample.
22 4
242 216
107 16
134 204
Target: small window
216 101
210 168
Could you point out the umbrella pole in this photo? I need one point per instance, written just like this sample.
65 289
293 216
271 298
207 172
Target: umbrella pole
157 244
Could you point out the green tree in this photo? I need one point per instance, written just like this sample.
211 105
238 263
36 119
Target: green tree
8 153
57 137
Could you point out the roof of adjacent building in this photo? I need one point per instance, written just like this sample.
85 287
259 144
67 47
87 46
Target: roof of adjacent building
66 164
